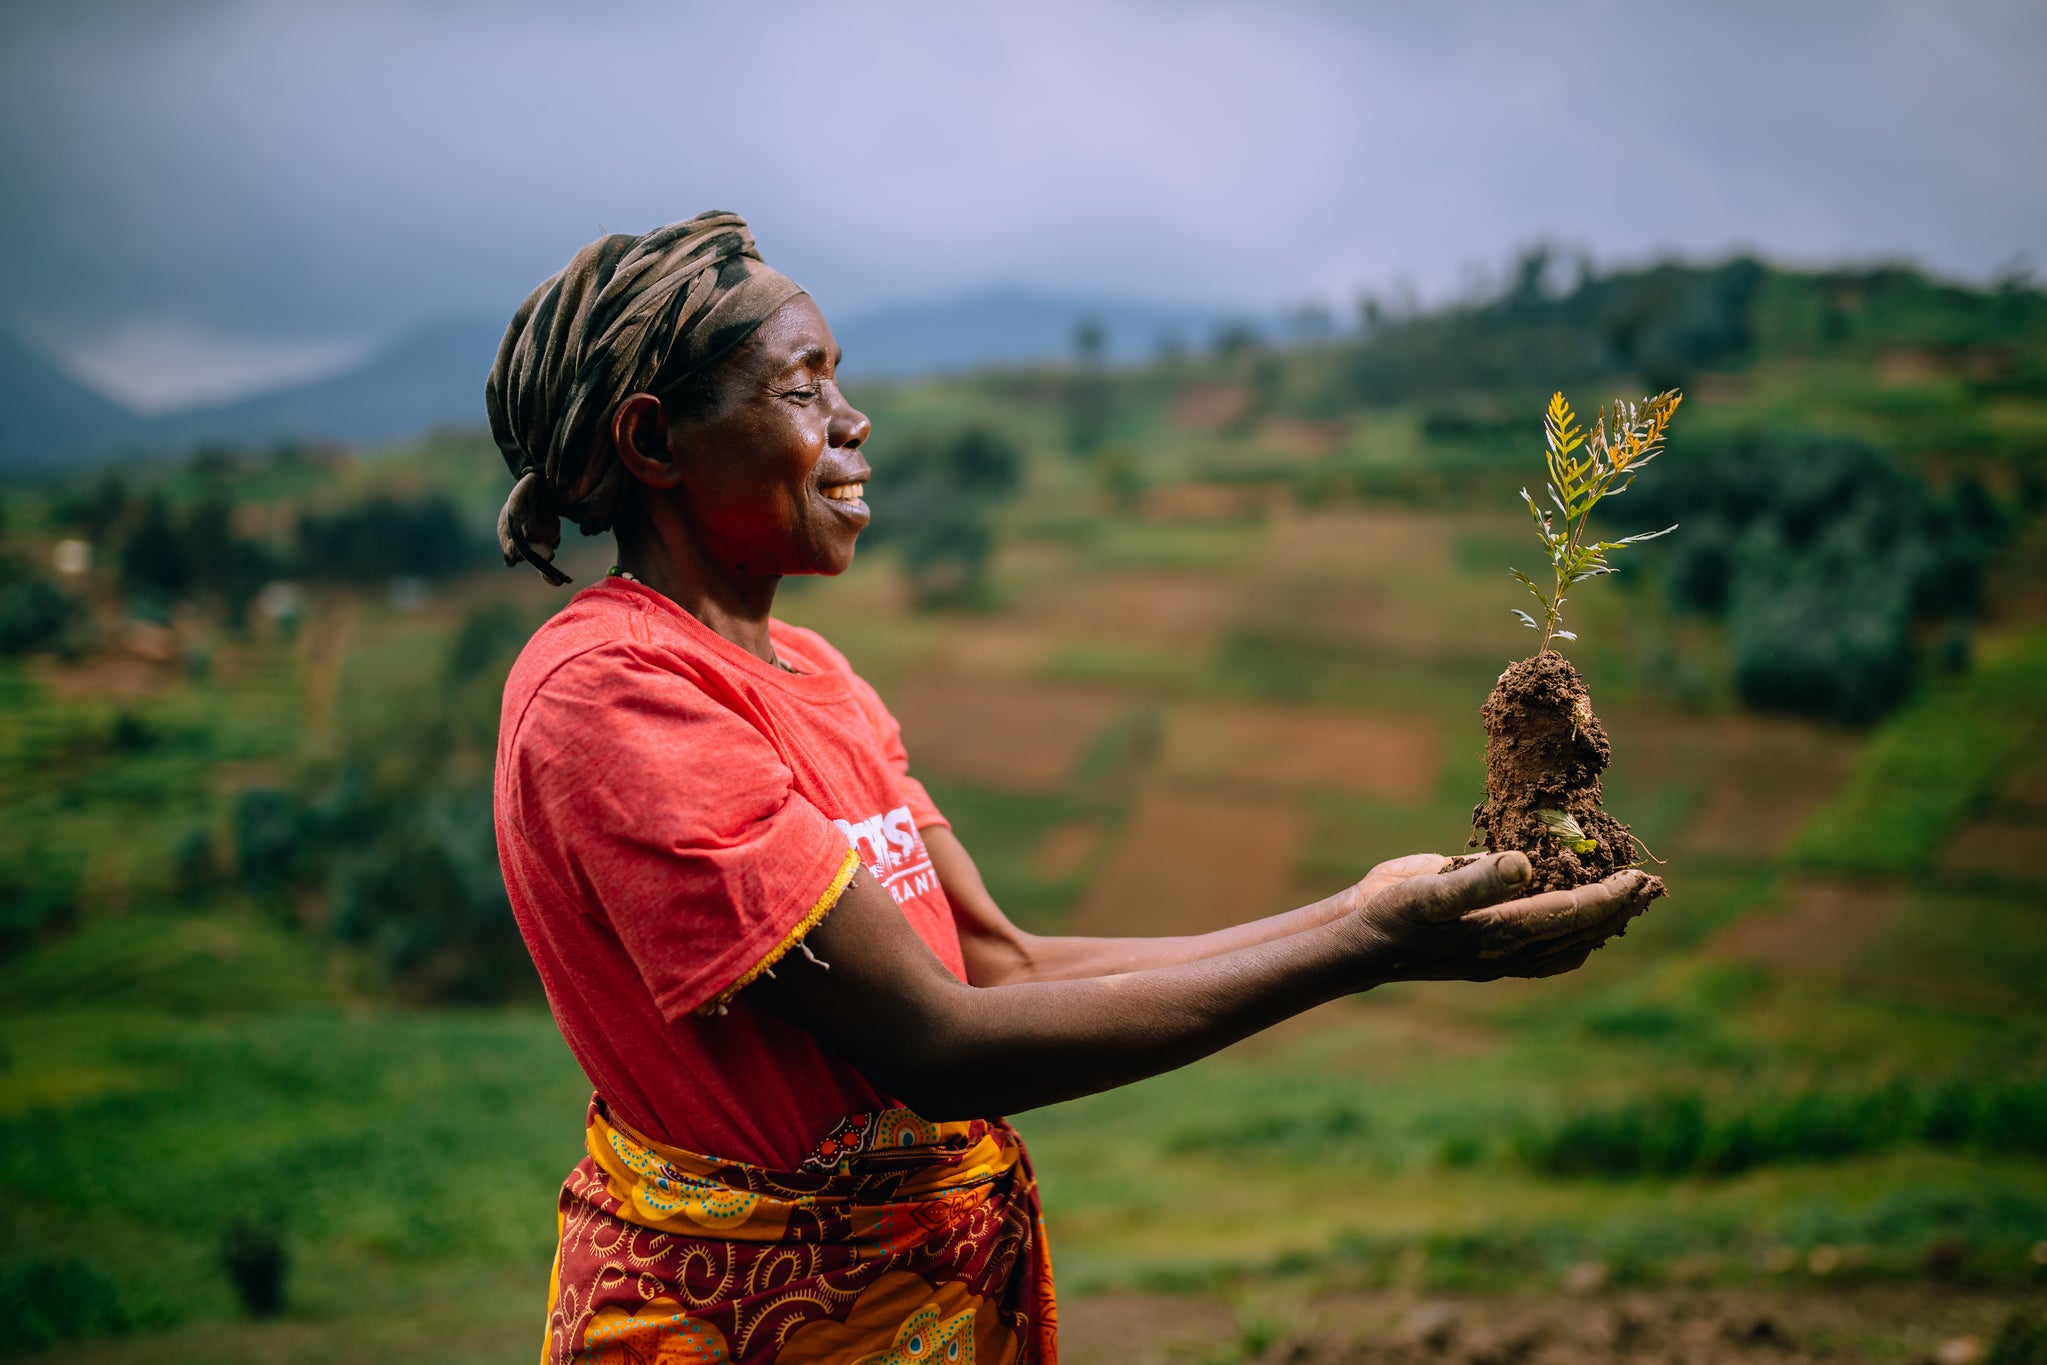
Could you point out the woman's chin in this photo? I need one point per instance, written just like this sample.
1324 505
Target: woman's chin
830 561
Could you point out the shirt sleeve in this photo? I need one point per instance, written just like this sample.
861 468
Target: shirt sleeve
676 822
924 812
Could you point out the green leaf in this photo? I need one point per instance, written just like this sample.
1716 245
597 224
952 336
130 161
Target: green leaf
1636 540
1526 619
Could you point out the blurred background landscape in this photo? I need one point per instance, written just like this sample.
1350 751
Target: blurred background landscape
1187 579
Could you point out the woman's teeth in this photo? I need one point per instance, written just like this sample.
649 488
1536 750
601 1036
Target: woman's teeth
845 492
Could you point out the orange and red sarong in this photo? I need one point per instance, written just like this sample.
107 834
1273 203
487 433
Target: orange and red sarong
896 1241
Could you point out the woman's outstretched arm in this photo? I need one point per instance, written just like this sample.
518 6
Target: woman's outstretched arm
952 1050
998 953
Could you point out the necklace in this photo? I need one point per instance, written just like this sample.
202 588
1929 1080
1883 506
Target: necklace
773 658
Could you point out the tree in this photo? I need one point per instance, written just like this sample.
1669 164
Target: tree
941 491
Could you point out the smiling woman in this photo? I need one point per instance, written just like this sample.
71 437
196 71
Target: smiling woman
758 934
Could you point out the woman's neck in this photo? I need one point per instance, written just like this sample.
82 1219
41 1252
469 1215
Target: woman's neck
670 561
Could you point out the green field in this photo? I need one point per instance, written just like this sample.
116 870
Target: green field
1225 651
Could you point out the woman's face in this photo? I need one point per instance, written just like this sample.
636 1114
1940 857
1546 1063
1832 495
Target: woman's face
772 478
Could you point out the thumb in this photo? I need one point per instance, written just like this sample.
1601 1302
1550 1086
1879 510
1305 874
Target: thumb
1484 881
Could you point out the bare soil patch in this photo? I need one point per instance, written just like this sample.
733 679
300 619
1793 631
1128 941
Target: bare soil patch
2002 849
2027 785
1171 610
1204 502
1763 776
325 651
1202 409
1066 848
1008 738
1821 927
1187 865
117 677
1876 1323
993 648
1298 437
1293 750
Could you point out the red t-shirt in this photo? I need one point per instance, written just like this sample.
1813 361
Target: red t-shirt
670 810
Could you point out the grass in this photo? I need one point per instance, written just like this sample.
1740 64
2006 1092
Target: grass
131 1141
1934 762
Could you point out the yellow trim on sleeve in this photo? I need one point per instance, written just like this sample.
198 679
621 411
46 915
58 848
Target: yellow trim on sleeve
803 926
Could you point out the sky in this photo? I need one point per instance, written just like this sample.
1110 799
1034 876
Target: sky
204 197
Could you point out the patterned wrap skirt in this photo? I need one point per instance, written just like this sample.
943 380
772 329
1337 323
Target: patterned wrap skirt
896 1241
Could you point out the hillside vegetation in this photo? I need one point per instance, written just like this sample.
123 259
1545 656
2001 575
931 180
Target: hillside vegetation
1173 644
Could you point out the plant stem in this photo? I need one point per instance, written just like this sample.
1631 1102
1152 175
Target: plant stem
1554 617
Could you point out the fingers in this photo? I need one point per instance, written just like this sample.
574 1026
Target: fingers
1484 881
1555 964
1594 912
1413 865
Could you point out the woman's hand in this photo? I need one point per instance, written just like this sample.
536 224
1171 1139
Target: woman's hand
1414 916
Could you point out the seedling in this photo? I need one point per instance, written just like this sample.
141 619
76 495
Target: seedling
1545 750
1615 449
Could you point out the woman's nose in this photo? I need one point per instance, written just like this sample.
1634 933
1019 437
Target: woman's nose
849 426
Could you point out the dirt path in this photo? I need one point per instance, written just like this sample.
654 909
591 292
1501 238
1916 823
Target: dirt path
1872 1323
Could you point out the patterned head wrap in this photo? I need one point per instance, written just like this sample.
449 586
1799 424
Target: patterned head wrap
627 315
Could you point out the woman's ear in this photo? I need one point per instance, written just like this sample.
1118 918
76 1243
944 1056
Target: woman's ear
639 434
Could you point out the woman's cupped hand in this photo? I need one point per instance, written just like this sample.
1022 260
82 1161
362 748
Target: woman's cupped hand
1420 922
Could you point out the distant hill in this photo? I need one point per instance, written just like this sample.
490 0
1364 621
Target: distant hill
427 378
435 376
47 418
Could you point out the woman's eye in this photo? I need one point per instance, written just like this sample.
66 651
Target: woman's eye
803 395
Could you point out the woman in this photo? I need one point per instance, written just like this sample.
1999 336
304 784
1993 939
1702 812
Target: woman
801 1010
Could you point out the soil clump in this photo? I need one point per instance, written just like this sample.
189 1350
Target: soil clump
1545 751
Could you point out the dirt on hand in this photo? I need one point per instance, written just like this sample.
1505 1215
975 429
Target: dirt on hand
1545 751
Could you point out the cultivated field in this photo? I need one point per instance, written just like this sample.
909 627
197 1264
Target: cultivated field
1798 1112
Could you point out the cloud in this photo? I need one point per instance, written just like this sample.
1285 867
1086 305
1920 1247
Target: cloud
303 175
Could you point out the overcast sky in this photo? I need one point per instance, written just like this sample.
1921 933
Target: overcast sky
208 195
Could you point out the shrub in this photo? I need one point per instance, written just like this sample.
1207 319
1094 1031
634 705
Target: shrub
256 1261
1293 1130
156 562
426 899
33 613
2021 1341
1820 555
385 537
937 495
35 896
46 1302
1683 1133
266 824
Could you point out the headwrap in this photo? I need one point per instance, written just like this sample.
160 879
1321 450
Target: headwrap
627 315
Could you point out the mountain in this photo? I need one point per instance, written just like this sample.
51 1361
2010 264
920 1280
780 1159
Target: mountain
434 377
48 419
427 378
